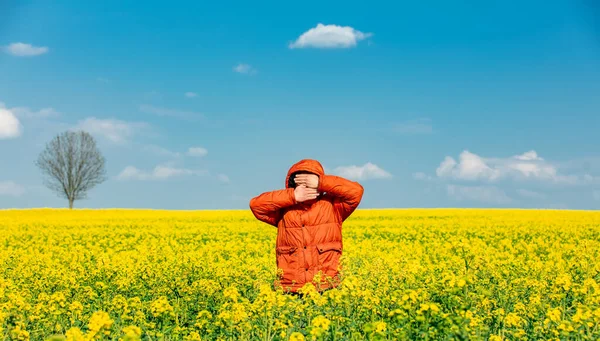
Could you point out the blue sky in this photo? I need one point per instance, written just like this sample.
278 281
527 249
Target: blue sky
202 105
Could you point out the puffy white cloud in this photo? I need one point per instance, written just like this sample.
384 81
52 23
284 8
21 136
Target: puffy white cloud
414 127
10 126
329 36
25 50
446 168
364 172
10 188
245 69
525 166
114 130
470 167
160 172
487 194
197 151
529 156
10 119
190 94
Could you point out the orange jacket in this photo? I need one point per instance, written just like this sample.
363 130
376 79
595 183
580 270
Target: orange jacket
309 235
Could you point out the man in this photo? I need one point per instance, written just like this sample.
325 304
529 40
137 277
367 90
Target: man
308 215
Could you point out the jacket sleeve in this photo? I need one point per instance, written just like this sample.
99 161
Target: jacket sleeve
267 206
348 193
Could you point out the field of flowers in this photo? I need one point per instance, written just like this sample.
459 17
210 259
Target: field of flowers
207 275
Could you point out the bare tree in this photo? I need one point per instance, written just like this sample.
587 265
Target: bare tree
72 165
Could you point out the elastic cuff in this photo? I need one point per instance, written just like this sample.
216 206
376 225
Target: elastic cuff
322 183
293 195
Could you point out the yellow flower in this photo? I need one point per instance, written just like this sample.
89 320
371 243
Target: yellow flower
231 293
554 314
75 334
193 336
19 332
131 333
161 306
512 320
380 327
76 307
100 322
564 281
321 322
295 336
186 275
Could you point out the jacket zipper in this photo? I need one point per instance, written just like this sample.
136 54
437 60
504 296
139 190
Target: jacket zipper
304 249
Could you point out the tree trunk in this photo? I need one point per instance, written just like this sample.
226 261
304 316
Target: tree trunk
71 204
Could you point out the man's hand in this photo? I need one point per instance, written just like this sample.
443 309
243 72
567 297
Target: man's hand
308 180
303 193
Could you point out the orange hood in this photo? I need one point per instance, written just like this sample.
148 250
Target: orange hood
308 165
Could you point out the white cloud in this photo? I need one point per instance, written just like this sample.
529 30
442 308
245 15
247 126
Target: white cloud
197 151
103 80
487 194
470 167
167 112
190 94
529 156
446 167
364 172
530 194
192 151
130 172
113 130
591 180
223 178
160 172
529 165
25 50
329 36
414 127
160 151
26 112
245 69
12 189
421 176
10 126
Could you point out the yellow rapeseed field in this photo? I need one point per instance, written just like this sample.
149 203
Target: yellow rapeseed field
207 275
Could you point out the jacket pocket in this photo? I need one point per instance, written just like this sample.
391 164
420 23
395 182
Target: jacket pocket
329 254
329 246
282 250
287 264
